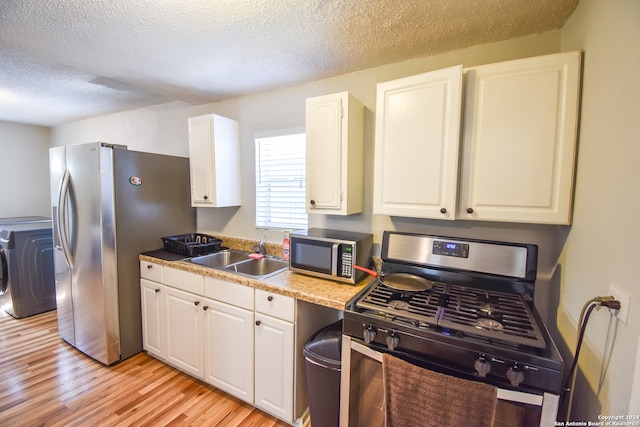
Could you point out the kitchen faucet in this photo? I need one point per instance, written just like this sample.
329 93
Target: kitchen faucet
261 248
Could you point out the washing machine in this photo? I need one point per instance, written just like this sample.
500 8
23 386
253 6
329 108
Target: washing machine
27 283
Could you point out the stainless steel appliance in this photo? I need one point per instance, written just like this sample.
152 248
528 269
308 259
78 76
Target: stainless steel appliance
110 204
26 266
330 254
474 320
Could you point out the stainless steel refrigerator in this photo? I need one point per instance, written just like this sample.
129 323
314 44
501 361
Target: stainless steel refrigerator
110 204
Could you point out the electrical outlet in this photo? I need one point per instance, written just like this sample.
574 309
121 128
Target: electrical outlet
623 313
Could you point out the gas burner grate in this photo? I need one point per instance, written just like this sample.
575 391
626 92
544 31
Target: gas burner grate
421 306
475 312
467 307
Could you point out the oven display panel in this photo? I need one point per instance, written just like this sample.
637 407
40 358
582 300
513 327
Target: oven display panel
454 249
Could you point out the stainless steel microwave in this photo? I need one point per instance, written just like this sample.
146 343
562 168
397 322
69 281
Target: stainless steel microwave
330 254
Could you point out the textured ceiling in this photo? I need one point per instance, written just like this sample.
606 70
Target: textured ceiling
63 60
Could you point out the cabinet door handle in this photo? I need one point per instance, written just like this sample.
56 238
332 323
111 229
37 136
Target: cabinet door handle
196 303
443 210
270 298
157 290
205 308
469 210
258 323
312 202
206 197
149 266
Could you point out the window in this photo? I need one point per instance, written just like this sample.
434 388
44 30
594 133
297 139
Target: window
280 181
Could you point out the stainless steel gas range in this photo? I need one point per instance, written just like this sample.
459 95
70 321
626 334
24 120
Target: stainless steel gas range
461 307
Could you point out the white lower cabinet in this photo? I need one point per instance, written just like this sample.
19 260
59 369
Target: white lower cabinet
246 342
283 327
151 292
228 339
274 366
229 349
172 316
184 331
152 317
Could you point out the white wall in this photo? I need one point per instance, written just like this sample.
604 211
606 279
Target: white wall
24 161
159 129
603 247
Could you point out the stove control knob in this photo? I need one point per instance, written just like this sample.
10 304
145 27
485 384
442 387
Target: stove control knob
369 333
392 340
482 366
515 375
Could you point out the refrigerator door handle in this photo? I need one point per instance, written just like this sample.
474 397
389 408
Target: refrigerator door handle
61 218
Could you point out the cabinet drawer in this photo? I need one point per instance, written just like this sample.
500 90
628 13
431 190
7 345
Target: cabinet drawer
151 271
187 281
229 292
275 305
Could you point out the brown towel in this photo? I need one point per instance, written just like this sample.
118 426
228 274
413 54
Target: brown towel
416 396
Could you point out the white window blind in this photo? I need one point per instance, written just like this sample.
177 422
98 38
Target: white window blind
280 182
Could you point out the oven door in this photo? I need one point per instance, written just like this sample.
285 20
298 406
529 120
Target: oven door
362 394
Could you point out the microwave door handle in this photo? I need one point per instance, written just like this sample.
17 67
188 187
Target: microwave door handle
334 259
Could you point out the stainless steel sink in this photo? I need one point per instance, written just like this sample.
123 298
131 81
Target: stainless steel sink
259 268
221 259
239 262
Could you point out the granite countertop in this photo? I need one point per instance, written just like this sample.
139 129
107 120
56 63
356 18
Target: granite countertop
306 288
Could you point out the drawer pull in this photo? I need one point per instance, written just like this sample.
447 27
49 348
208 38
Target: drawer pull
258 323
157 290
149 266
270 298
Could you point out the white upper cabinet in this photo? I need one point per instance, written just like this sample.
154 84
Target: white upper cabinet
416 147
516 162
335 163
520 128
214 155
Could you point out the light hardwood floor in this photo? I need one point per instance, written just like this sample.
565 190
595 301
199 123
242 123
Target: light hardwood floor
46 382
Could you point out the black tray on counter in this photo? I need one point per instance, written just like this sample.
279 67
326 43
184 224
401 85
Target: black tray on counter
191 245
164 255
